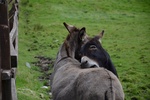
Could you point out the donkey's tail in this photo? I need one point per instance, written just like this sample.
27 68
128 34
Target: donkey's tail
110 94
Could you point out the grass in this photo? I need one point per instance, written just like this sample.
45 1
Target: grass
127 31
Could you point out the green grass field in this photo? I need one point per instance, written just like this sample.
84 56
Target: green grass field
127 39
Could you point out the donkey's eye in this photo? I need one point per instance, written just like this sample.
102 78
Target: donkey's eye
93 47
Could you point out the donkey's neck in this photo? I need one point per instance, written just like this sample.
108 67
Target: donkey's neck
63 54
66 51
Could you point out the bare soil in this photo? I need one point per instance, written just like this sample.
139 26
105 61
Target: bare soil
45 65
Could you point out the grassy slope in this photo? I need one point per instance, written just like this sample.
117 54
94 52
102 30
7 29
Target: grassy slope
127 27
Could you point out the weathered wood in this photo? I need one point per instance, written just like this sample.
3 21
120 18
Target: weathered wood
14 51
13 89
4 38
14 40
0 77
14 71
5 50
13 5
13 33
6 90
6 74
0 73
11 13
0 86
14 54
3 1
8 48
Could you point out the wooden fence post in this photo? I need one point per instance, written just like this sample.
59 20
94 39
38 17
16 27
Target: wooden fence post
8 48
13 22
0 77
5 52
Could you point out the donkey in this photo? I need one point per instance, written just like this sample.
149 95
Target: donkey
70 82
94 55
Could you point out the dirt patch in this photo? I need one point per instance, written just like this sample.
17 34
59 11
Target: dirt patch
46 66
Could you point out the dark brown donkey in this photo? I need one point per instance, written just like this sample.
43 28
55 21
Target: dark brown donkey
94 55
70 82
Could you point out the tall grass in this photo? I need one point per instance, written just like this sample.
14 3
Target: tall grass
127 31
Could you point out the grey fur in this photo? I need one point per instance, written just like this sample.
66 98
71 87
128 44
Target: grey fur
70 82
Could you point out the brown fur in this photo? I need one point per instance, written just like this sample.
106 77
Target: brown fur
70 82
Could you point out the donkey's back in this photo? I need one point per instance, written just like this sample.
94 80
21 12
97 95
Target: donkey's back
98 84
72 83
64 79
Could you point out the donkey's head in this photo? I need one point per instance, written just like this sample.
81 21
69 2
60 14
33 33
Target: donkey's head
74 40
93 54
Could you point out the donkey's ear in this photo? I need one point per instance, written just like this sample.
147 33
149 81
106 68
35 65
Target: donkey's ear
100 35
82 34
69 27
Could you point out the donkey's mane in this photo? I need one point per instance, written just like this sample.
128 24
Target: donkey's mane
72 37
66 48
